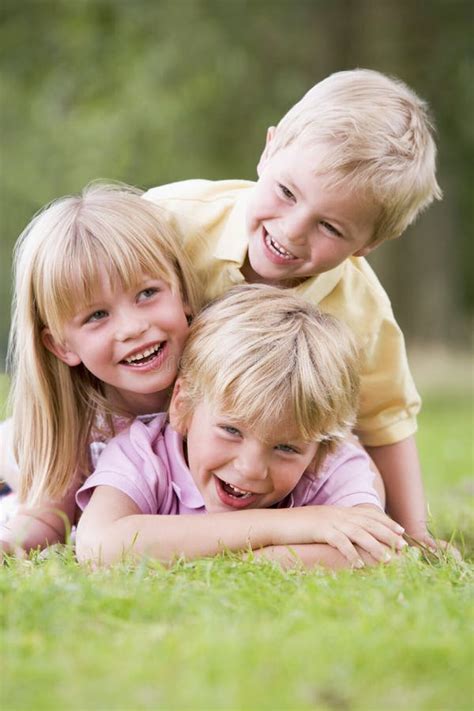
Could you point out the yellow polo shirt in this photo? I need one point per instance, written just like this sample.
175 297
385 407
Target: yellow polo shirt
210 216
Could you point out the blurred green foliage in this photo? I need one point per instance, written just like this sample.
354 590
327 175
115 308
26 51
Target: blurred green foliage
153 91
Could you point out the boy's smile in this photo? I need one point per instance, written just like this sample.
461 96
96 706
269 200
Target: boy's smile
235 469
297 225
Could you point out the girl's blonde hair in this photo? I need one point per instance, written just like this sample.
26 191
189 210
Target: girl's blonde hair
373 133
261 356
58 262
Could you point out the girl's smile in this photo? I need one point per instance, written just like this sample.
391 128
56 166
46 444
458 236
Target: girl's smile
131 339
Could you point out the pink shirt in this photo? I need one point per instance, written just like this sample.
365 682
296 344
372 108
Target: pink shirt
146 462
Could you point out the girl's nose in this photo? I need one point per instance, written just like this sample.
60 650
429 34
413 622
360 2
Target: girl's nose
130 326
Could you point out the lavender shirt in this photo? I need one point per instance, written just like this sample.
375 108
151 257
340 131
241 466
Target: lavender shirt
146 463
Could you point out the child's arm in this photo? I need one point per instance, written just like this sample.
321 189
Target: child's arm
317 554
310 555
38 527
112 526
400 468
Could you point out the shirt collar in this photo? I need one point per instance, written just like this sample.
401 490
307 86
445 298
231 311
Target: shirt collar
233 241
182 481
315 289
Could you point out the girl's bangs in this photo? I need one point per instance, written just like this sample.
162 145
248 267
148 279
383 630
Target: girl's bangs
75 281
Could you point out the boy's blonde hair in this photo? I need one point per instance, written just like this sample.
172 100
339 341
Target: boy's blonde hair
261 356
59 260
374 134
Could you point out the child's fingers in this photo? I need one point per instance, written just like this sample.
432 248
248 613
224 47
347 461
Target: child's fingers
380 526
338 539
366 541
385 535
373 514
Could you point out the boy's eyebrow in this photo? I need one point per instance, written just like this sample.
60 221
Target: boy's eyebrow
289 182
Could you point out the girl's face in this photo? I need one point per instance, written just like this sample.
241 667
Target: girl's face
130 340
233 468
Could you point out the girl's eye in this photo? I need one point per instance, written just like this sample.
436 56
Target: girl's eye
330 228
285 192
287 448
97 316
147 293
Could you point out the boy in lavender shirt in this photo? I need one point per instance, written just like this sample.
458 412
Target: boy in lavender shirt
266 398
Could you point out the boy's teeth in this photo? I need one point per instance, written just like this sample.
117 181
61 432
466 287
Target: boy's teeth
276 248
235 491
144 354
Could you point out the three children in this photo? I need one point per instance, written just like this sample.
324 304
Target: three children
350 165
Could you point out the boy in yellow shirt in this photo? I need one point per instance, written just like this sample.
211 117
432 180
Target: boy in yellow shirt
349 166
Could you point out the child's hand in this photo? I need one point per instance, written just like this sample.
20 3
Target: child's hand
343 528
432 546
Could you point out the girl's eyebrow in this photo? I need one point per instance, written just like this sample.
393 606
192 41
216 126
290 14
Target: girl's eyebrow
86 309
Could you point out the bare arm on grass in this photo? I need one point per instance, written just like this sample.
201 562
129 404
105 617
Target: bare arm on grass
38 527
112 527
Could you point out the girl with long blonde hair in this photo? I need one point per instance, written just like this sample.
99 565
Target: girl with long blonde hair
103 295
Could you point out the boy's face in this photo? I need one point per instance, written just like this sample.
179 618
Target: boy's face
233 469
297 226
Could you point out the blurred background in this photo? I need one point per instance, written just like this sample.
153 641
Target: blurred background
153 91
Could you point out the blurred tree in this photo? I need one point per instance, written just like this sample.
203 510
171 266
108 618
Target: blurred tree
152 91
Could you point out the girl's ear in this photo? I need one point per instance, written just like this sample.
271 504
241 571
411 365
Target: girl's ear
264 156
177 409
60 351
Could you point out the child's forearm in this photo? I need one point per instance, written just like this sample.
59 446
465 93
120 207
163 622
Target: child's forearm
38 527
310 555
400 468
112 526
28 530
167 537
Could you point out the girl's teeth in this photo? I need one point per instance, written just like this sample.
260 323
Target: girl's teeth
277 249
145 354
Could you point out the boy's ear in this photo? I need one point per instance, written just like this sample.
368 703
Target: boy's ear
176 409
366 250
264 156
60 351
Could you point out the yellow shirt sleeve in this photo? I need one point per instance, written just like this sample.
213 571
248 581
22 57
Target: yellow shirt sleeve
389 401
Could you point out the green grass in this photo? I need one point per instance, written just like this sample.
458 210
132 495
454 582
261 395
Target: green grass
227 633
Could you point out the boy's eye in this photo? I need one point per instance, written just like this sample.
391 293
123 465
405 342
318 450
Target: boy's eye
230 430
97 316
285 192
330 228
287 448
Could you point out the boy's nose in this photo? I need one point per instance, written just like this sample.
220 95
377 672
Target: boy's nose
251 463
297 225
